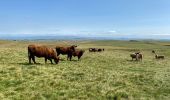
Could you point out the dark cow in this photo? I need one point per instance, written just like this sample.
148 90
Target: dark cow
92 50
78 53
42 51
153 51
95 49
66 51
133 56
99 50
159 56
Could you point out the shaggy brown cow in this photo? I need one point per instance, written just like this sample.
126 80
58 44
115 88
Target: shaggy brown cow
42 51
66 50
78 53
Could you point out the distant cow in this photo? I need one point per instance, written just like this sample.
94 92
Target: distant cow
133 56
139 56
92 50
96 49
136 56
159 56
99 50
78 53
42 51
66 51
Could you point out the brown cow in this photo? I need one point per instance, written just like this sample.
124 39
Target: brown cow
42 51
78 53
66 50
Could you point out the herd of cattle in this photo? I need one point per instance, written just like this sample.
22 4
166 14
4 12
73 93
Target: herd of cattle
53 54
50 53
138 56
95 49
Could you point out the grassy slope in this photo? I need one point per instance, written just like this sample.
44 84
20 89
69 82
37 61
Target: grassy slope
106 75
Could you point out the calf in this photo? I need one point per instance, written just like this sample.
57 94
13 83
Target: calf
78 53
42 51
66 51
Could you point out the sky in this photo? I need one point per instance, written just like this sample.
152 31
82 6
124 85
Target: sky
101 18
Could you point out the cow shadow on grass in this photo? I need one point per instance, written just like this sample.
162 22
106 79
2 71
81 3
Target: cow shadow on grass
74 60
62 60
65 60
130 60
133 60
26 63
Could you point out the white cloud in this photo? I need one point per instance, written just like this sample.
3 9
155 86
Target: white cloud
112 31
161 34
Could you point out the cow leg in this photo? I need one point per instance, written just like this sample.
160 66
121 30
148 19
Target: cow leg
33 58
70 57
45 60
29 57
58 54
136 59
79 57
51 60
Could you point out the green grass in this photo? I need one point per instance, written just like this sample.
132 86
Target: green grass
107 75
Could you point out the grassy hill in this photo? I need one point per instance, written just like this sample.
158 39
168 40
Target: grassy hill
107 75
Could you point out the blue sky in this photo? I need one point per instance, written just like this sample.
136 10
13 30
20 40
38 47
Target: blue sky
103 18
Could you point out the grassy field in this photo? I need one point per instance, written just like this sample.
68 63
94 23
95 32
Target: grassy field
98 76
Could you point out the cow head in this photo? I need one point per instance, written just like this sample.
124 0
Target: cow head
73 47
153 51
56 59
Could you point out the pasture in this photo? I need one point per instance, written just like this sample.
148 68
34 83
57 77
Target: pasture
108 75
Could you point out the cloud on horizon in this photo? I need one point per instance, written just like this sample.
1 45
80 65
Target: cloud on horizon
85 33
